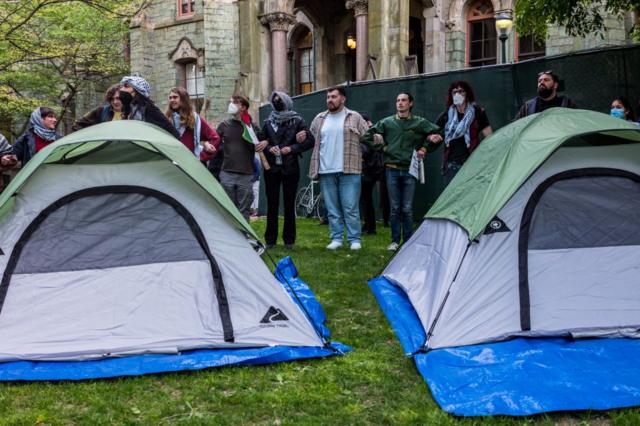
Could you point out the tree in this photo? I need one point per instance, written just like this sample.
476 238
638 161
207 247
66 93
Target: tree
579 17
50 50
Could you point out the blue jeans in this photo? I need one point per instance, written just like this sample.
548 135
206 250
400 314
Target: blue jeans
401 186
341 195
450 171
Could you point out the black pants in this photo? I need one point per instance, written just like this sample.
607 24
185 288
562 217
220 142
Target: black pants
289 183
366 201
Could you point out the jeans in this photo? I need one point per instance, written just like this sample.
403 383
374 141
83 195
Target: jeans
289 183
401 186
239 187
341 193
450 171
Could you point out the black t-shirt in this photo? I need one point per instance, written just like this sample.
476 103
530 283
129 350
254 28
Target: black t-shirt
542 105
458 151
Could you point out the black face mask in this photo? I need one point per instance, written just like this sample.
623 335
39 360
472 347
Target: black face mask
544 92
125 98
278 104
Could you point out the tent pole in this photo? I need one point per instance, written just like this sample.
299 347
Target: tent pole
444 301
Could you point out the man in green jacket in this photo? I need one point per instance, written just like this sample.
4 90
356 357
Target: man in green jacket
399 136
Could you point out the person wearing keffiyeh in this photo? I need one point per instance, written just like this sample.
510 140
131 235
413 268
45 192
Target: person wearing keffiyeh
463 122
195 132
137 105
288 138
40 133
7 159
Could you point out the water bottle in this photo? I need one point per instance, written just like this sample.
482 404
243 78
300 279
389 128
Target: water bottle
278 158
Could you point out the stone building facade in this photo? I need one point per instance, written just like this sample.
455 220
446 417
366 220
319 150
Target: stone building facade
219 47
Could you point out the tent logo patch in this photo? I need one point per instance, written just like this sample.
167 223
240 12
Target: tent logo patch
272 315
496 225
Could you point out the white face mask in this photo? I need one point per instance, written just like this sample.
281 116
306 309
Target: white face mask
458 99
232 109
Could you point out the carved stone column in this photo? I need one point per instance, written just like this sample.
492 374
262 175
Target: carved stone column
361 13
279 23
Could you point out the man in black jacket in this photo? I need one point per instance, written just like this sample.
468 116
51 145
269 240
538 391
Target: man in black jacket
288 138
136 104
548 86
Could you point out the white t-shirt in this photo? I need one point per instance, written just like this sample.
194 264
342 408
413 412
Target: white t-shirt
332 143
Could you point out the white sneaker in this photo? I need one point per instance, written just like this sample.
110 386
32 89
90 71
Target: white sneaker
333 245
355 246
393 246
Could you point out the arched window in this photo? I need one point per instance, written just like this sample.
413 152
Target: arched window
194 83
305 72
189 63
482 39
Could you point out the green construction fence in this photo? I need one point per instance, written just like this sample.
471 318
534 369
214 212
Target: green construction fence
592 78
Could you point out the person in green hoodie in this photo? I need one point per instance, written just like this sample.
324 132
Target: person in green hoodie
399 136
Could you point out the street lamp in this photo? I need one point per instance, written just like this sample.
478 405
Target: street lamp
351 42
504 23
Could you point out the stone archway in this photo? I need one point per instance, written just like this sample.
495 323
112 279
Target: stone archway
302 57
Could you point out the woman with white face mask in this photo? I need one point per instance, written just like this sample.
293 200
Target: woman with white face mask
463 122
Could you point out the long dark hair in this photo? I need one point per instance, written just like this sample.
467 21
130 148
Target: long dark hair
470 96
186 109
631 115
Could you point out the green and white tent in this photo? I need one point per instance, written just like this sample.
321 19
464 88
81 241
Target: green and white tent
537 235
115 240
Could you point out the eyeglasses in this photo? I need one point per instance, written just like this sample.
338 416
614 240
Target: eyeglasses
550 72
456 91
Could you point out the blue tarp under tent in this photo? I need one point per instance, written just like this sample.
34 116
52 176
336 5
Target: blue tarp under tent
520 291
120 254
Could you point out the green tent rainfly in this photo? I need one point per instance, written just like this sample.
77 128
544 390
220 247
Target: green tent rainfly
504 161
143 135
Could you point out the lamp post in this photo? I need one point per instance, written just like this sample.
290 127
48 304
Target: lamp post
504 23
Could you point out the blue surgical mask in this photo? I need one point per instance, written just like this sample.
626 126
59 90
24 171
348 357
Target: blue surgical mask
617 112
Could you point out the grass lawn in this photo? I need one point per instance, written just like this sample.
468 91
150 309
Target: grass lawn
374 384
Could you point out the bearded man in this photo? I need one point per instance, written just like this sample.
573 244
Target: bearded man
548 83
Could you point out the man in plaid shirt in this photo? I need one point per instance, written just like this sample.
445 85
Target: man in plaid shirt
337 160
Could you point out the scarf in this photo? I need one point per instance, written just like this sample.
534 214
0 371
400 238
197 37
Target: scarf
39 128
456 129
5 147
284 117
197 127
138 83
